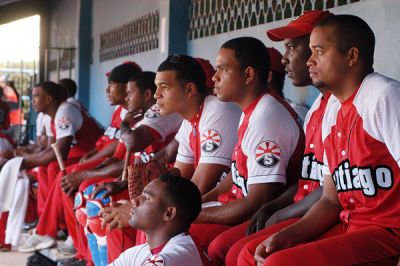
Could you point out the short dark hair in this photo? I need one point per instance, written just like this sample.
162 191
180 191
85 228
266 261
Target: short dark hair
70 85
251 52
145 80
56 91
352 31
186 197
187 70
123 72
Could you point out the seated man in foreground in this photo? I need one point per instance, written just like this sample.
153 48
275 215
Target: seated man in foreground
164 211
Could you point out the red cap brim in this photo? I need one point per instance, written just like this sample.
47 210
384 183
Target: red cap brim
286 32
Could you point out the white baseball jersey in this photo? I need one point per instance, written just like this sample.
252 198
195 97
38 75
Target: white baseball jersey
75 102
71 121
179 251
68 120
300 110
161 128
270 145
211 135
164 125
40 129
362 148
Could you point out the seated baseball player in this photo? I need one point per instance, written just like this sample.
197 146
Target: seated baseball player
276 82
49 223
294 60
164 211
208 132
151 134
356 219
266 158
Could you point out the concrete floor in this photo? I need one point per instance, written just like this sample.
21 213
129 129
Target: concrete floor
13 258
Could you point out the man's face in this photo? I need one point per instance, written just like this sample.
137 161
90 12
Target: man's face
327 65
40 99
116 93
134 97
295 59
149 208
170 94
229 78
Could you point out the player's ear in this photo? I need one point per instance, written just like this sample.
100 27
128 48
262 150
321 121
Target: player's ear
170 213
148 95
190 89
249 74
48 99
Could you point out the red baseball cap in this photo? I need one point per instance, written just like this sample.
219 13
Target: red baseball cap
276 60
209 71
300 26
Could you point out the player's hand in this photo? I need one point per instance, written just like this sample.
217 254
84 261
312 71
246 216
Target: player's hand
275 218
131 118
70 183
274 243
111 187
20 151
116 216
258 220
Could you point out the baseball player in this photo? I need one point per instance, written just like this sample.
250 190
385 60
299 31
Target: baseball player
73 129
265 157
272 215
61 208
359 136
164 211
150 134
207 134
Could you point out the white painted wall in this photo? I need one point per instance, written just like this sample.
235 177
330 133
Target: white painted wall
108 14
381 15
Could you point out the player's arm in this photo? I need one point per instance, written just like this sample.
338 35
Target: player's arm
324 214
224 186
297 209
269 215
240 210
48 155
105 152
168 153
207 175
137 139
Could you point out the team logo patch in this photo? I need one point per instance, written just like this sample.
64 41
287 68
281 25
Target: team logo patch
268 154
210 140
151 114
63 123
155 260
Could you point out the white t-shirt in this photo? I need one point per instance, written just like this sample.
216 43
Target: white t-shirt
217 130
179 251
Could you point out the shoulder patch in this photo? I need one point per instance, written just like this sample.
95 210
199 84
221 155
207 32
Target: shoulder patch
153 112
63 123
210 140
268 154
154 260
